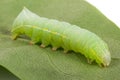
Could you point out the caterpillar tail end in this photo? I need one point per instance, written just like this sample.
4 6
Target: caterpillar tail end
14 37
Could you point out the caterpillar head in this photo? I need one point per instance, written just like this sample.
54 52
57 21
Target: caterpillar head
102 55
105 59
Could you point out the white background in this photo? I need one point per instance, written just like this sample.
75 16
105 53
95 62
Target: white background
110 8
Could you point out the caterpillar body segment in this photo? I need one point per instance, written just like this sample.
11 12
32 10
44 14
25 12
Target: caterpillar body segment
61 34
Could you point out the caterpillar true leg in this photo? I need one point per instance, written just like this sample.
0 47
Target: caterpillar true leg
102 65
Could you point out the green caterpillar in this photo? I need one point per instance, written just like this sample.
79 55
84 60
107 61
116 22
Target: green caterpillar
61 34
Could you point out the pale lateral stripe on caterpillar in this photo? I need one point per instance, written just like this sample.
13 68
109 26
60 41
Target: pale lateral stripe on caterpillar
44 29
61 34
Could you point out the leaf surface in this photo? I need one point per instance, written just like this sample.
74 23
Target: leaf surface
29 62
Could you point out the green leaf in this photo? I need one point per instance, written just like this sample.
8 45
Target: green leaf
29 62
